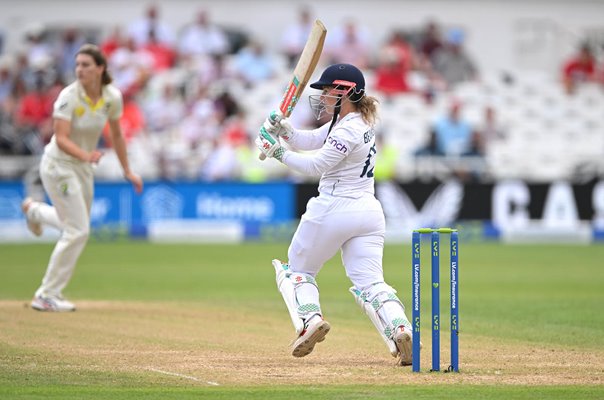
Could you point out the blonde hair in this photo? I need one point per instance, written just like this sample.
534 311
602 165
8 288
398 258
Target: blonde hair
367 106
99 59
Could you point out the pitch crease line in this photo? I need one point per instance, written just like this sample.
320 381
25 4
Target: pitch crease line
183 376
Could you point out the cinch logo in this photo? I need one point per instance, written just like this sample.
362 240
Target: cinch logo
338 146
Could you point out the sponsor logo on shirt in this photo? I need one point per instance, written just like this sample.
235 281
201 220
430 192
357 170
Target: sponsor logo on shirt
368 135
79 110
337 145
64 188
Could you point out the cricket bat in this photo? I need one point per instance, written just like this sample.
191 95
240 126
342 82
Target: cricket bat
304 70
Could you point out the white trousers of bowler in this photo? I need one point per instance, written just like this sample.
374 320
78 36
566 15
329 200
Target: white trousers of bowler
356 226
70 186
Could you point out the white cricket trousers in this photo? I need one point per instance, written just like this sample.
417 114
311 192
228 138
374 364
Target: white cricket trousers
356 226
70 186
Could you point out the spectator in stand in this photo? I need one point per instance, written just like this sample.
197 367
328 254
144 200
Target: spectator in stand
453 137
600 68
349 44
395 61
222 162
579 68
131 68
114 41
203 38
399 45
71 41
227 105
32 116
213 70
295 36
139 29
452 63
430 40
253 64
489 133
391 76
8 136
24 71
162 55
201 124
165 111
19 90
450 135
7 81
38 49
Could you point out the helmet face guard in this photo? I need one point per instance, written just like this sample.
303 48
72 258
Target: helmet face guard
341 90
346 82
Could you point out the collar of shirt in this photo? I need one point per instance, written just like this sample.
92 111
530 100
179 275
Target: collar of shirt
349 116
84 97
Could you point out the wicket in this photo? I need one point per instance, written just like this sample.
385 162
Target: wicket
415 296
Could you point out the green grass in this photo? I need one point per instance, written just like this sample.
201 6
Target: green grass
531 295
312 392
525 292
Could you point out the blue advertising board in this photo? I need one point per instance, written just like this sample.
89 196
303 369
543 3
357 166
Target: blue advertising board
117 207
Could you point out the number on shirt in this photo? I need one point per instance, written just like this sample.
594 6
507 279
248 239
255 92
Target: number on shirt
367 171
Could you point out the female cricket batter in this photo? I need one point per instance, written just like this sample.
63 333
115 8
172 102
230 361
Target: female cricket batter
345 216
80 113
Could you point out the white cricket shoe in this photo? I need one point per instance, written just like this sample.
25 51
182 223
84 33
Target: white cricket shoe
404 344
33 226
313 333
52 304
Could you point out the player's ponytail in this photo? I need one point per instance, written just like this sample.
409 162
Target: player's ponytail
367 106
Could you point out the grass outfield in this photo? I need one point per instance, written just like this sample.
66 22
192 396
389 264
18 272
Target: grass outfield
206 321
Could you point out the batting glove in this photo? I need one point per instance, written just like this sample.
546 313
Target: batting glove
271 123
287 130
269 144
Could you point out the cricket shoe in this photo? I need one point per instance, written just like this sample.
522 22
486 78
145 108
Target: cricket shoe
52 304
33 226
313 332
404 344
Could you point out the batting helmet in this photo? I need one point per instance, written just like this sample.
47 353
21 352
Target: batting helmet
343 75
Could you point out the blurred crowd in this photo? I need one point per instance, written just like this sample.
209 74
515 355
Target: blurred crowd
183 86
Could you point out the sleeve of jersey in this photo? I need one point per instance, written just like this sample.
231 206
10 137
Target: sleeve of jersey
117 104
64 105
335 149
308 139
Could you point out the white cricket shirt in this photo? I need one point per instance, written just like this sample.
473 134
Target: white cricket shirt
87 119
346 158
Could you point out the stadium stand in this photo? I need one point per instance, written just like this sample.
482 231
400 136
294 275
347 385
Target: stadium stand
540 132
